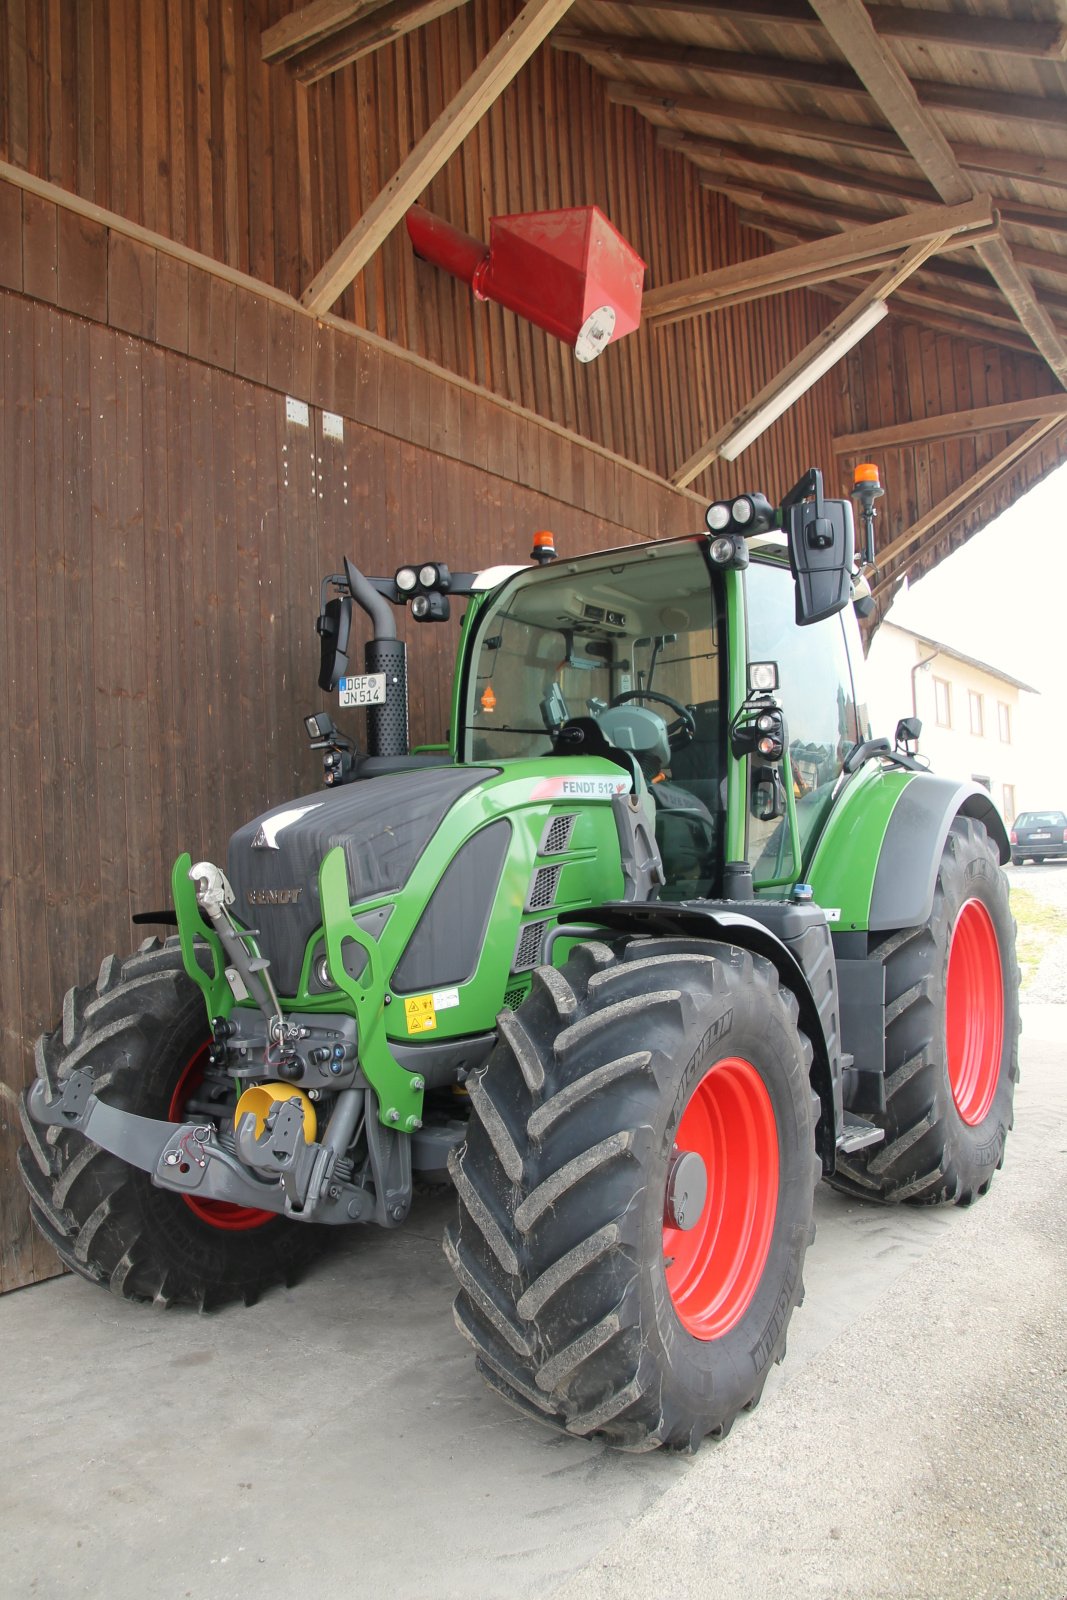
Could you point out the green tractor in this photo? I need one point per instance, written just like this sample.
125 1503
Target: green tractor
662 937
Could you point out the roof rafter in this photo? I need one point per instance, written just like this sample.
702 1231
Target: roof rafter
647 52
1036 434
851 29
835 255
952 424
486 83
1043 40
774 390
319 38
853 135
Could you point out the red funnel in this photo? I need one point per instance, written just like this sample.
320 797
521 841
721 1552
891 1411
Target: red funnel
570 272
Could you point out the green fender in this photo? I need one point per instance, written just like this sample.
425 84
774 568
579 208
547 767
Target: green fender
875 865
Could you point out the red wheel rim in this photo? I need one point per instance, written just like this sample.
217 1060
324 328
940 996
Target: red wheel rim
216 1213
715 1267
974 1013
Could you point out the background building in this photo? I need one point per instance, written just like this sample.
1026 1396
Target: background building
970 712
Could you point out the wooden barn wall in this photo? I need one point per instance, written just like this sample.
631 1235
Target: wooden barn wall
162 111
935 374
165 529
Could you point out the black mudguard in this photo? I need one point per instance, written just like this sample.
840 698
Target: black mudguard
794 938
903 892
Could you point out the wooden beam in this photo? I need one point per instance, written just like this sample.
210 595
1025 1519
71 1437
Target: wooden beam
486 83
952 425
389 23
880 289
647 52
840 252
853 32
1013 164
308 24
1001 36
853 135
1041 260
1039 432
701 149
643 51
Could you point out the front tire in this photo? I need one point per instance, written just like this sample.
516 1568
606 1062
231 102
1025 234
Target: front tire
951 1038
601 1290
143 1031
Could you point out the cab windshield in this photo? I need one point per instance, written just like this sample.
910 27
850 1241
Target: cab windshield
631 643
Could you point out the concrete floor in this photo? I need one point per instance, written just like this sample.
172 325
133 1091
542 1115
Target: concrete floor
336 1439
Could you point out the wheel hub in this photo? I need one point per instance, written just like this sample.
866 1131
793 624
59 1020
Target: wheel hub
687 1190
721 1199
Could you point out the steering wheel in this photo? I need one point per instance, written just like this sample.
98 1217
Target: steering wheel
682 731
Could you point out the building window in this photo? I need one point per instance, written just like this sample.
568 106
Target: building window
1009 796
977 721
1004 721
942 703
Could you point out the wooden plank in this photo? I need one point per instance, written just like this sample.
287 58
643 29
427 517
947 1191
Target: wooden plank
862 179
10 238
39 247
131 287
81 284
388 23
882 287
1046 429
252 336
212 320
837 251
310 23
644 51
1013 164
446 134
172 303
853 135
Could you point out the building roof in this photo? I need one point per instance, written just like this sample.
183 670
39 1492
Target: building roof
959 655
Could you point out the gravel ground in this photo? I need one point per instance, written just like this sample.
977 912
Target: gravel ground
1047 883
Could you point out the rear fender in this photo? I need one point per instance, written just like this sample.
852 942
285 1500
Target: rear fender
902 895
696 923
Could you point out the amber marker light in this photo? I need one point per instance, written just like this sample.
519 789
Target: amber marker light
544 547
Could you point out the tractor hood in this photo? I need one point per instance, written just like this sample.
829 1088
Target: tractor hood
382 824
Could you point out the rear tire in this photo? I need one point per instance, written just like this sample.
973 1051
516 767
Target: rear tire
574 1313
139 1028
951 1038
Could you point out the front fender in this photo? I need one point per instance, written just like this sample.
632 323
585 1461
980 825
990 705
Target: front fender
711 921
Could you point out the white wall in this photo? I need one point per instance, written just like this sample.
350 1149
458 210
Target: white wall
894 690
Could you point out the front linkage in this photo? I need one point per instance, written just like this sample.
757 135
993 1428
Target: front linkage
275 1164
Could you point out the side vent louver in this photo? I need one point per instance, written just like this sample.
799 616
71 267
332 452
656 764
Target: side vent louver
557 835
543 888
528 949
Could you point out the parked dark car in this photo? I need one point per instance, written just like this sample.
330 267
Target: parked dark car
1038 834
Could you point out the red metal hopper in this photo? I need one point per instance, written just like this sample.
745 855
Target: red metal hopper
570 272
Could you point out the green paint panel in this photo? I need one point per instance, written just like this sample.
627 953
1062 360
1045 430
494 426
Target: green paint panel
193 930
845 862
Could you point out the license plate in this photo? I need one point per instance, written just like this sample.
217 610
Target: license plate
366 690
1041 836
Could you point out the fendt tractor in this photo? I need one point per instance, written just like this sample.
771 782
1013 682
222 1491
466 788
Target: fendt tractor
659 939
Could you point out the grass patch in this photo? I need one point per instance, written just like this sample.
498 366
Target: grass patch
1038 924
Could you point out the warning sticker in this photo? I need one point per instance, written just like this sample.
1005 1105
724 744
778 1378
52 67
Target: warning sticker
445 998
419 1013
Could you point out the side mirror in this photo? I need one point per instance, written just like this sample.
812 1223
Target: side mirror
333 627
906 737
822 549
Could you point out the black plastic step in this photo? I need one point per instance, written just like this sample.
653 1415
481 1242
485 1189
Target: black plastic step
856 1134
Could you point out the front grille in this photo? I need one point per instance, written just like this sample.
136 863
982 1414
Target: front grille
557 835
528 949
513 998
543 888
